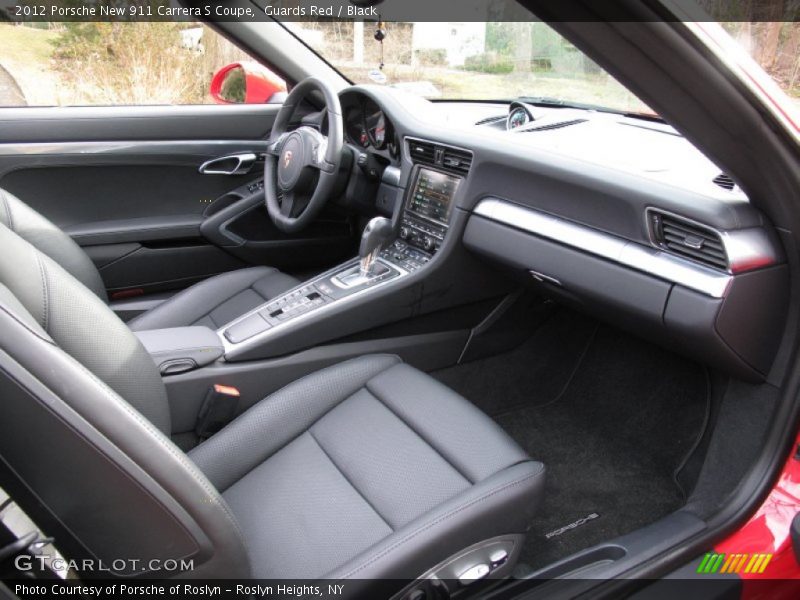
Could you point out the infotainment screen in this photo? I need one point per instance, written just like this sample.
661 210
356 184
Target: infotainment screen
433 195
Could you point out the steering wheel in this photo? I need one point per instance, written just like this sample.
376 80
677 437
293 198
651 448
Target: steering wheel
302 165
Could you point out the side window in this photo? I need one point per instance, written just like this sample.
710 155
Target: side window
128 63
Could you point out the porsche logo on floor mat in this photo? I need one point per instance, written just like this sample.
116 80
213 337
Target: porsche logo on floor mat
571 526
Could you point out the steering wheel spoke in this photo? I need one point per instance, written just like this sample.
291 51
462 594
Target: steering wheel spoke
274 148
287 204
293 204
317 153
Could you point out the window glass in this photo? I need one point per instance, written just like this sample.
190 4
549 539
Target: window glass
125 63
775 46
507 60
468 61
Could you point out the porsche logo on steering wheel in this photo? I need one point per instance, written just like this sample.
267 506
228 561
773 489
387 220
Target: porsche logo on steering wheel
287 159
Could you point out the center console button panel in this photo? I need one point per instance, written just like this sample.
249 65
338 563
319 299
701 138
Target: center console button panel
403 255
426 236
325 290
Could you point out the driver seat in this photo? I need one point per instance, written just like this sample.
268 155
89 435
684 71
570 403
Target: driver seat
213 302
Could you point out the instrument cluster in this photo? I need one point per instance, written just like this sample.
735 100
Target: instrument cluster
367 126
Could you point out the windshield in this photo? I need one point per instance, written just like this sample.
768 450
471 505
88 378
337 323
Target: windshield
467 61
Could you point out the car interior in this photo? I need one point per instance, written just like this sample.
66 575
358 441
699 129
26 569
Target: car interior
359 335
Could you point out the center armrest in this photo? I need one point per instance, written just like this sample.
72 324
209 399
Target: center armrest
180 349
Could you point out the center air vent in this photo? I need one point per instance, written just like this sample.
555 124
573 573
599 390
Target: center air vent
423 152
688 239
457 160
450 159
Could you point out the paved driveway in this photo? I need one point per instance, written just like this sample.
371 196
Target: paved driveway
10 92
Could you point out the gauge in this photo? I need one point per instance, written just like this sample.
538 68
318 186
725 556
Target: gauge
517 118
377 125
354 127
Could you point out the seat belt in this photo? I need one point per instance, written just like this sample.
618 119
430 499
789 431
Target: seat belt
219 408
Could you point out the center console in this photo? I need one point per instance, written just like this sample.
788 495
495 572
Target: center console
423 224
424 220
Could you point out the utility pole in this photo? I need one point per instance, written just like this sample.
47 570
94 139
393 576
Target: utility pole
358 42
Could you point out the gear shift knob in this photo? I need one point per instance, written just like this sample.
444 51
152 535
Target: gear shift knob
375 235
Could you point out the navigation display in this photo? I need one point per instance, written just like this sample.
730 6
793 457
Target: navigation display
433 194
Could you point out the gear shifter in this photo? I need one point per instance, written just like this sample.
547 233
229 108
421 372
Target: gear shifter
376 234
368 270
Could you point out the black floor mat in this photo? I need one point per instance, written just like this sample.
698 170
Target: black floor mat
611 416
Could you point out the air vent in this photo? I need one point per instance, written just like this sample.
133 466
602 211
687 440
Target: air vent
457 160
724 181
553 125
446 158
688 239
423 152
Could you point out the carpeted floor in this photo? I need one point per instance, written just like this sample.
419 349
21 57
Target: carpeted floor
611 416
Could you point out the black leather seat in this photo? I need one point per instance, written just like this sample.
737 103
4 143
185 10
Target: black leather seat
367 469
213 302
217 300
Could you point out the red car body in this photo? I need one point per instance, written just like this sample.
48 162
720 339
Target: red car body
261 84
769 532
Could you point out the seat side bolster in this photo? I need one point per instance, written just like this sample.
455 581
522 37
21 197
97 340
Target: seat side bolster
501 504
50 240
268 426
83 326
125 438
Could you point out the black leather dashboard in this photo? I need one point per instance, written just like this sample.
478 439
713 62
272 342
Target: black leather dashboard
598 249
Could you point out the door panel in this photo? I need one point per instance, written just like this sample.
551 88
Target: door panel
86 198
129 123
124 183
154 269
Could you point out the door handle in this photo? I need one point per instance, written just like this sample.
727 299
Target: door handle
233 164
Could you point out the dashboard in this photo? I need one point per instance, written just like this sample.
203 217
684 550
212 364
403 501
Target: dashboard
620 216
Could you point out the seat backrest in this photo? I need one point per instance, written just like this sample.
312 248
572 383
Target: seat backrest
49 239
84 422
83 326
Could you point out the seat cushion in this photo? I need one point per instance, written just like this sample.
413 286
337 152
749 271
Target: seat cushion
218 300
368 469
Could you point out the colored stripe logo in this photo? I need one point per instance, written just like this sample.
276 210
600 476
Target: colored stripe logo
733 563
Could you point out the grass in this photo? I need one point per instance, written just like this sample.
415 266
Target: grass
26 44
26 54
